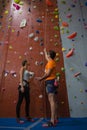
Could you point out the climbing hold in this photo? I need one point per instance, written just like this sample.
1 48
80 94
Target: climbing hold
41 43
31 35
65 24
56 43
6 12
72 35
73 5
70 53
36 39
23 23
15 101
6 73
52 20
63 69
49 3
30 48
63 49
75 97
81 90
55 12
34 6
10 47
20 57
18 33
57 59
40 96
13 30
62 102
63 1
41 53
36 63
77 74
86 64
29 10
69 16
10 18
37 31
57 74
41 63
67 31
56 28
21 3
85 3
13 73
3 89
56 16
16 6
71 69
55 35
56 9
39 20
17 1
57 54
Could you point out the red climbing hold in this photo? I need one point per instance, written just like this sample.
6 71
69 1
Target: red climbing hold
71 36
49 3
70 53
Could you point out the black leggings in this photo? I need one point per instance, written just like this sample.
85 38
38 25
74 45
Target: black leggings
25 95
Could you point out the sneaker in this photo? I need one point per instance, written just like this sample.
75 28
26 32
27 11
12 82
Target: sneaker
56 121
20 121
48 124
30 119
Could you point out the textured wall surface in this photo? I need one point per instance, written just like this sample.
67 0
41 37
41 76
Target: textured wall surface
73 19
17 44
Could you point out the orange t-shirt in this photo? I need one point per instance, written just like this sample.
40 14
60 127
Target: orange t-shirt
51 65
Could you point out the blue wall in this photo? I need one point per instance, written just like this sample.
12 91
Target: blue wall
76 86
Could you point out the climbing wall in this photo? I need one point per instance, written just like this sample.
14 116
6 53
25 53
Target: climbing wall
73 28
26 29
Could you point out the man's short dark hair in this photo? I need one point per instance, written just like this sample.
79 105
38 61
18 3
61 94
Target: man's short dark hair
24 62
52 54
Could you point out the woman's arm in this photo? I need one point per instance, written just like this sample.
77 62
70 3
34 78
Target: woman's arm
21 78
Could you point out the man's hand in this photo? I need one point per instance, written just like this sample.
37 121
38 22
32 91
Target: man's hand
38 78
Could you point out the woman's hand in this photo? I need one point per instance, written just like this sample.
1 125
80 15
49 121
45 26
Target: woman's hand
22 89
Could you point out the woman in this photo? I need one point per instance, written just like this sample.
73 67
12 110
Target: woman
24 91
50 76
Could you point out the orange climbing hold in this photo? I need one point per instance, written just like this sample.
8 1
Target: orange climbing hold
72 35
65 24
70 53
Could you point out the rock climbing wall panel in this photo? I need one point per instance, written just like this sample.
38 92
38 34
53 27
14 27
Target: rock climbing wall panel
26 28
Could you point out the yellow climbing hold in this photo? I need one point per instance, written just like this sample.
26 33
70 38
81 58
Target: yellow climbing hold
63 49
6 12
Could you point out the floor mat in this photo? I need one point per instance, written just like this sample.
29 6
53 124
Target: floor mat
64 124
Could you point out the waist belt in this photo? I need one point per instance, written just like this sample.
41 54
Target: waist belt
26 81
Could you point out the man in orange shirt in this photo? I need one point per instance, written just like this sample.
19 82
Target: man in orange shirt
50 76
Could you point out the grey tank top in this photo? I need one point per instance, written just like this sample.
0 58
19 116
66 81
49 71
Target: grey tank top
26 75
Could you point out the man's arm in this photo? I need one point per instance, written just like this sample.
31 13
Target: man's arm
47 74
45 52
